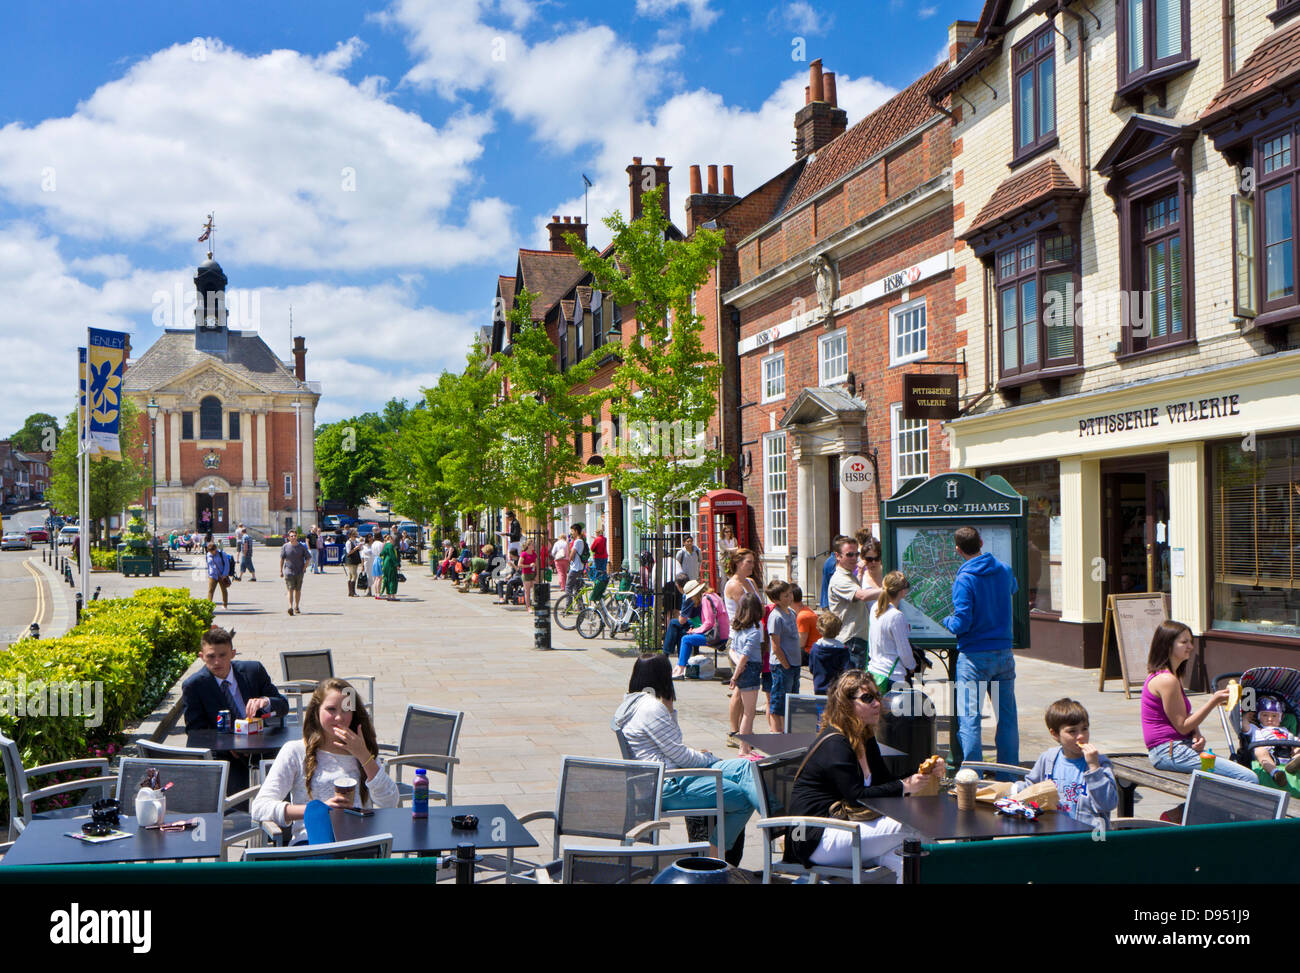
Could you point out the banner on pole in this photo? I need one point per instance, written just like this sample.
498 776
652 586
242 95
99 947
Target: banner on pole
81 400
105 368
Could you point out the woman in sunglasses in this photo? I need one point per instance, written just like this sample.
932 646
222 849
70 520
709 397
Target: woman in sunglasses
844 767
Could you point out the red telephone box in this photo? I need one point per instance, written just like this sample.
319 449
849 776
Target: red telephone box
719 508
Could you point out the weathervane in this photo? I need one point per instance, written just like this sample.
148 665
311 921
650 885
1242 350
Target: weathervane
208 229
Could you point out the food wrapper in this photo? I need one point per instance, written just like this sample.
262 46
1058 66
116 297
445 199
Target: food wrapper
1044 794
249 726
992 790
929 788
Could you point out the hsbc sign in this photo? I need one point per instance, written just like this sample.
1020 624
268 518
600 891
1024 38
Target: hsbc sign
856 474
904 278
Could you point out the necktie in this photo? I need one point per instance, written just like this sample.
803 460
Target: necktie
230 699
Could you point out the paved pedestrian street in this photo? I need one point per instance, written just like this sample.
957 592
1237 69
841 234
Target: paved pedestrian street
525 709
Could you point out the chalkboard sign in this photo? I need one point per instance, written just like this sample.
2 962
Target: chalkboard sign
1134 618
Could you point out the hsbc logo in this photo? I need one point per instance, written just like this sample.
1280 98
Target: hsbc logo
856 473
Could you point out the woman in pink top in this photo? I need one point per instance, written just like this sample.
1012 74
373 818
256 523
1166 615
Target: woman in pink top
528 569
1169 727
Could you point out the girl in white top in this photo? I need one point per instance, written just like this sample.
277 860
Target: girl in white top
338 741
377 571
890 637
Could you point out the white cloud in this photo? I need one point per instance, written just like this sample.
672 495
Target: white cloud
701 14
303 168
801 18
925 13
103 265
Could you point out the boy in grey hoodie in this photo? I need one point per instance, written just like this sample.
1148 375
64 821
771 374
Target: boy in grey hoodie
1081 773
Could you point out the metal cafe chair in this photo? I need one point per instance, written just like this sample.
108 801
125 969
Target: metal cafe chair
198 787
429 740
802 713
304 668
22 798
373 846
717 812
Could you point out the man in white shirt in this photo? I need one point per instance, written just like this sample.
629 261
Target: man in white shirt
688 558
851 603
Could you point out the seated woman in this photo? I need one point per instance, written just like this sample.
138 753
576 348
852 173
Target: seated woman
649 723
338 741
1170 730
714 626
845 765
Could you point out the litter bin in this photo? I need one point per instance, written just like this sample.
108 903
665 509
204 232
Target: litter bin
909 726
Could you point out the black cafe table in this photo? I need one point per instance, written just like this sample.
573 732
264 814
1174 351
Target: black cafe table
497 829
774 743
938 818
270 740
45 842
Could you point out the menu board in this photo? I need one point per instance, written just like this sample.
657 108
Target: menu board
1134 618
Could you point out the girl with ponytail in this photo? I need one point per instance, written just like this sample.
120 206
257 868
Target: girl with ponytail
891 656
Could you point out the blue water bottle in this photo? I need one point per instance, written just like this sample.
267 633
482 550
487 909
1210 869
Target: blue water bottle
420 795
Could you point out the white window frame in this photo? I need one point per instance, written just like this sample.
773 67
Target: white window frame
895 316
823 378
772 360
771 527
288 484
897 452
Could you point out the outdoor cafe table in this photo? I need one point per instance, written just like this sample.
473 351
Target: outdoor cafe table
939 819
497 829
774 743
270 740
45 842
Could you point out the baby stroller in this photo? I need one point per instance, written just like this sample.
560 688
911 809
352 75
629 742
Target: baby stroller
1281 684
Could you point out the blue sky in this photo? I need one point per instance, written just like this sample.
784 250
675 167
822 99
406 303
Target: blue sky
373 164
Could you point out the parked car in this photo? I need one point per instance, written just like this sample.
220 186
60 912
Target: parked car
367 528
38 533
330 522
69 534
15 540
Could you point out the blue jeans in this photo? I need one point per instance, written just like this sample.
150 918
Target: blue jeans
673 636
979 673
688 646
739 795
783 681
1184 759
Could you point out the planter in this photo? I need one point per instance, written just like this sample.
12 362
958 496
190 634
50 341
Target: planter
136 567
701 871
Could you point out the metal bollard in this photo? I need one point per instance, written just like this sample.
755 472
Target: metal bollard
542 615
465 859
35 631
95 596
912 855
79 607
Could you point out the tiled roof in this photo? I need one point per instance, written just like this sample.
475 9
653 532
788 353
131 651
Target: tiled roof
248 357
1021 191
566 309
547 273
882 128
505 285
1275 61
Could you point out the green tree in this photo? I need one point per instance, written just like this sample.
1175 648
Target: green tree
463 420
413 478
540 414
39 434
113 483
350 459
665 387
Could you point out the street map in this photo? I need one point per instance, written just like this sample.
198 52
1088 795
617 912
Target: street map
930 560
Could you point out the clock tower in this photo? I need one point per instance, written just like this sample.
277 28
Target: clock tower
210 312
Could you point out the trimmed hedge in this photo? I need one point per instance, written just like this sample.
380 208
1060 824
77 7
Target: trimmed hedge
135 647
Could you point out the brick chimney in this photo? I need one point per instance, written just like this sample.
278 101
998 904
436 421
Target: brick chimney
300 358
961 34
702 207
820 120
642 179
557 228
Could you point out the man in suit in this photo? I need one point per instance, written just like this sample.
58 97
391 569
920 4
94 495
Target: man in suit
244 688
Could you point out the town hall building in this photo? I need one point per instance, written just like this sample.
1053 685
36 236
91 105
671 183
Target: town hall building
231 419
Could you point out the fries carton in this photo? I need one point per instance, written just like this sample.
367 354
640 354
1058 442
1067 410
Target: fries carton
249 726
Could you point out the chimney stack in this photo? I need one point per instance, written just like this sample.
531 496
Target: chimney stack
961 34
558 227
820 120
702 207
642 179
300 358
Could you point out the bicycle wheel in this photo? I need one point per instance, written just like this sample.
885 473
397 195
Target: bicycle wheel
631 625
566 612
590 623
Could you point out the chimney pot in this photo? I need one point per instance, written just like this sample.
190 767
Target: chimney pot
659 160
300 358
713 180
555 219
807 95
816 89
727 185
828 83
636 160
695 180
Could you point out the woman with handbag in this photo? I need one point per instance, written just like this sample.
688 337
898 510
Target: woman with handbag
352 561
844 768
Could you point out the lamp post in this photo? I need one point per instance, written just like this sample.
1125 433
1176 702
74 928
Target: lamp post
152 408
297 476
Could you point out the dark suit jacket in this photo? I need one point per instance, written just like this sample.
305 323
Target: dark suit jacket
203 697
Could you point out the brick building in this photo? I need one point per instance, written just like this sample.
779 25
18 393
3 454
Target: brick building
231 419
842 284
1134 368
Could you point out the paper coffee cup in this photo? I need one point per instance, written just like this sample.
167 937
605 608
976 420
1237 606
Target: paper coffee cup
965 791
346 787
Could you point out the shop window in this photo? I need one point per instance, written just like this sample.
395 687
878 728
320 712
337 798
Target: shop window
1040 485
911 440
1255 536
774 491
907 338
774 377
1034 92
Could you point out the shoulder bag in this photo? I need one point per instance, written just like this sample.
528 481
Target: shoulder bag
842 810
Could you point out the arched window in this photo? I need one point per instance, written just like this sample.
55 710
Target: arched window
210 418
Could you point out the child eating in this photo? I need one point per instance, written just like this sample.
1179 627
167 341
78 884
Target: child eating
1081 773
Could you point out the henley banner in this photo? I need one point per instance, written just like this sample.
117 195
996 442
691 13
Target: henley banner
105 367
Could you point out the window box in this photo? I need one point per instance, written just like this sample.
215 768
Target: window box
1134 93
1286 9
1186 343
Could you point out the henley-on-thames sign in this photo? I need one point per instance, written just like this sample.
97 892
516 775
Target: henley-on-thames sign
1193 410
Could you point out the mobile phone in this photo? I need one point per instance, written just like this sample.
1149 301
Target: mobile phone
361 812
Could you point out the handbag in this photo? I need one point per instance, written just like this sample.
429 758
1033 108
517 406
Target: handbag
401 578
841 810
362 580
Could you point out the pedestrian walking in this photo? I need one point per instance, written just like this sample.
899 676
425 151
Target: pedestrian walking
600 553
560 557
389 571
294 558
352 560
578 555
219 564
313 545
244 547
528 570
377 565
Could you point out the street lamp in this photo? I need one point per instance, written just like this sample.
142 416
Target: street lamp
152 408
297 479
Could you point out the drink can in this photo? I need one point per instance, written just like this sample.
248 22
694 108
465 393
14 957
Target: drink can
224 722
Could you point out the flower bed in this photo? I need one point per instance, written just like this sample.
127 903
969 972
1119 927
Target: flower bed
132 650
